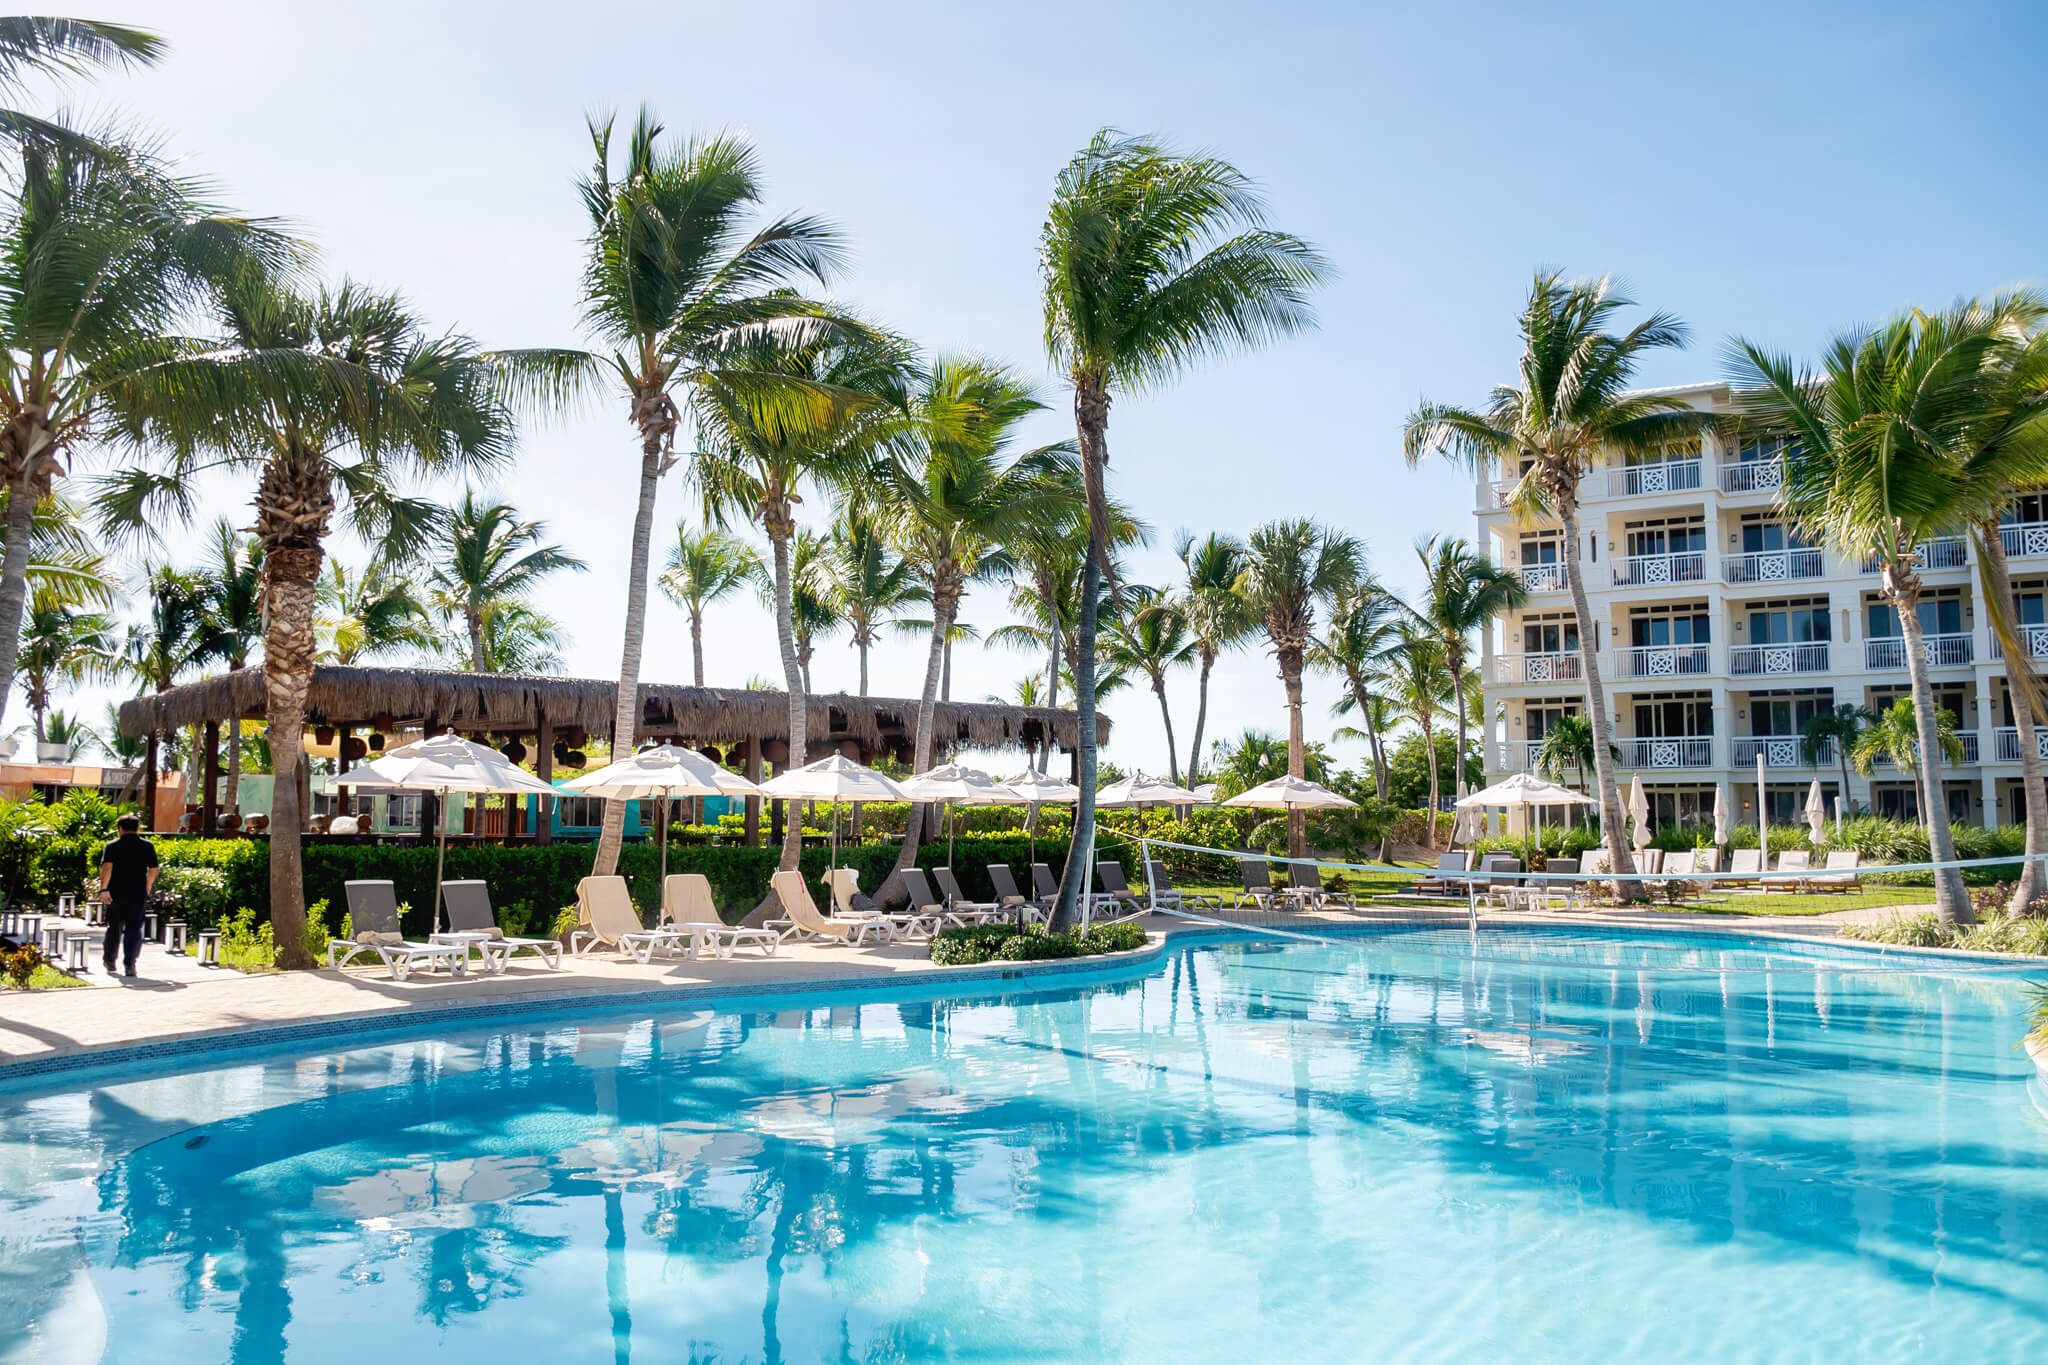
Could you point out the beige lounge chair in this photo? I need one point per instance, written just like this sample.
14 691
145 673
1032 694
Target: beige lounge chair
1598 863
1499 876
1745 865
1840 876
687 907
1708 862
802 920
609 919
1793 865
844 882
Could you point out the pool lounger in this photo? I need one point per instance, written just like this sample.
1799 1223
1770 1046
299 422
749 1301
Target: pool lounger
373 914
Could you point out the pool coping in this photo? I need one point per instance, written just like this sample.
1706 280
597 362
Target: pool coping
964 981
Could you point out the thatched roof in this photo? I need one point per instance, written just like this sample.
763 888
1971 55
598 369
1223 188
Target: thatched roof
514 703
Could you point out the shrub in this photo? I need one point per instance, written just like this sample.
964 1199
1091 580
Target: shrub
21 964
198 894
1113 938
1910 931
1005 943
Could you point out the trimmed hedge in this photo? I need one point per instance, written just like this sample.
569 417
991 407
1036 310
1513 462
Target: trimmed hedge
1003 943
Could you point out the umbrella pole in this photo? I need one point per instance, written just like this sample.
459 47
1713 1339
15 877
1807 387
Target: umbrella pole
661 808
440 858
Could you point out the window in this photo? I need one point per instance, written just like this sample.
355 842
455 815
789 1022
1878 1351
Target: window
1751 449
1676 715
1797 622
1786 713
1543 551
1538 721
2027 507
1950 697
1763 536
1672 452
1688 624
1685 807
1553 634
1787 805
1940 613
2029 604
403 812
579 812
1671 536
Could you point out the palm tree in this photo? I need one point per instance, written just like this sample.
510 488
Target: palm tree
232 617
1420 684
170 639
704 567
78 738
953 498
1255 757
485 559
1838 727
1895 737
1151 637
1567 747
813 613
686 293
1572 407
516 639
43 45
1151 261
1462 591
1364 630
1045 589
65 565
1290 568
62 646
370 614
1215 616
866 583
339 390
1882 437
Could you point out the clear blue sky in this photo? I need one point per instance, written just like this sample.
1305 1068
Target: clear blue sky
1778 170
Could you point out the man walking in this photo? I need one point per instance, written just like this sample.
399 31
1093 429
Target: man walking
127 875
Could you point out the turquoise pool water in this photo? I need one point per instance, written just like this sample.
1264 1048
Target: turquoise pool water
1535 1145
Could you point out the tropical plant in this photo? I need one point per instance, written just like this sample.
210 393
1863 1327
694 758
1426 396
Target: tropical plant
44 45
1254 757
517 638
1363 631
169 640
1151 261
1420 685
1215 616
866 583
1291 567
1839 727
813 612
484 559
1462 592
1572 407
1151 637
231 617
1894 737
76 737
704 567
366 615
1881 438
126 750
62 646
65 566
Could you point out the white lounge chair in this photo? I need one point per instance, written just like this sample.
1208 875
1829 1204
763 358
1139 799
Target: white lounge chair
802 920
687 907
468 904
1840 875
1793 865
373 916
1448 878
1745 865
609 918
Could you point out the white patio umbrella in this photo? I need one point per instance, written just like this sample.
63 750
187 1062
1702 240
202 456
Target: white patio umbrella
663 772
953 784
1035 788
1207 791
1291 793
1721 814
442 765
835 778
1140 790
1816 810
1639 812
1523 790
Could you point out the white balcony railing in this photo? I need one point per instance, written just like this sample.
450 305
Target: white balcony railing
1541 577
1968 739
1942 651
1641 570
1772 566
1647 480
1779 751
1502 491
1753 476
2024 537
1943 552
1519 755
2006 743
1682 752
2035 638
1661 661
1531 668
1770 661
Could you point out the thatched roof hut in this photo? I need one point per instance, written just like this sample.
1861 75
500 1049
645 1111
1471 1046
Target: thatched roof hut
519 705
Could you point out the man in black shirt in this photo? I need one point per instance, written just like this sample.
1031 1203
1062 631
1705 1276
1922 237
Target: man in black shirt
127 876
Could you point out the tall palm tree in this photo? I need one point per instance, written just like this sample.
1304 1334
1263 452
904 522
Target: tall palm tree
367 615
813 611
339 391
1567 747
1151 637
1571 408
1421 686
170 639
78 738
484 559
1462 591
517 638
1291 567
63 646
101 259
1882 438
953 498
704 567
65 564
1215 616
687 291
1839 727
44 45
1045 589
1151 261
867 583
1364 630
1895 737
232 617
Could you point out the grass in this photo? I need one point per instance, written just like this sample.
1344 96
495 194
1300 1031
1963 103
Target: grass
49 978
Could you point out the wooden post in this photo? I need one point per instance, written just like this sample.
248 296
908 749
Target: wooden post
341 802
544 768
209 812
754 802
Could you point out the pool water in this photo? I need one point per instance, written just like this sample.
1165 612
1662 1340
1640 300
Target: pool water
1410 1146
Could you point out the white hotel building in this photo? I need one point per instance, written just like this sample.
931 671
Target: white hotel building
1719 632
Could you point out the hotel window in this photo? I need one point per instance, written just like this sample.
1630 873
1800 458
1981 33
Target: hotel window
1649 627
403 812
1669 536
1542 551
1538 721
1671 452
1786 713
2030 507
1752 449
1950 697
1795 622
1762 536
2030 604
1553 634
1675 715
1940 613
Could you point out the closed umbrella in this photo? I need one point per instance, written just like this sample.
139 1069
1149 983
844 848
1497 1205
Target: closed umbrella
1721 815
835 778
1639 812
445 764
663 772
954 785
1816 810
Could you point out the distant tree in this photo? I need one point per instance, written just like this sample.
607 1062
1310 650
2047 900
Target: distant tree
484 559
1894 738
364 616
704 567
1151 637
1840 727
869 586
1462 592
1409 774
1216 618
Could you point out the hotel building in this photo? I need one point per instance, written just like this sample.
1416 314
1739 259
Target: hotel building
1720 631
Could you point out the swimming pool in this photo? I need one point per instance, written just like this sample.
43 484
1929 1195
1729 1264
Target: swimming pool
1412 1145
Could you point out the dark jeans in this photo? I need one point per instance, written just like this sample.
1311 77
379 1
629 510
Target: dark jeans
124 927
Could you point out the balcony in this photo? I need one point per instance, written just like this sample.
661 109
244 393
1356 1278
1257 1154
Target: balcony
1772 661
1772 566
1518 755
2005 743
2035 638
1661 661
1647 570
1541 577
1943 552
1970 751
1536 668
2024 538
1501 492
1942 651
1779 751
1650 480
1753 476
1678 752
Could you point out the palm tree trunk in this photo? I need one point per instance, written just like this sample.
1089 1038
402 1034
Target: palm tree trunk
1951 902
862 645
1208 656
234 782
779 530
946 678
1436 787
1052 692
477 660
2020 682
697 644
1297 748
1627 889
626 711
39 705
927 720
1166 715
1091 430
20 525
291 578
1455 657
